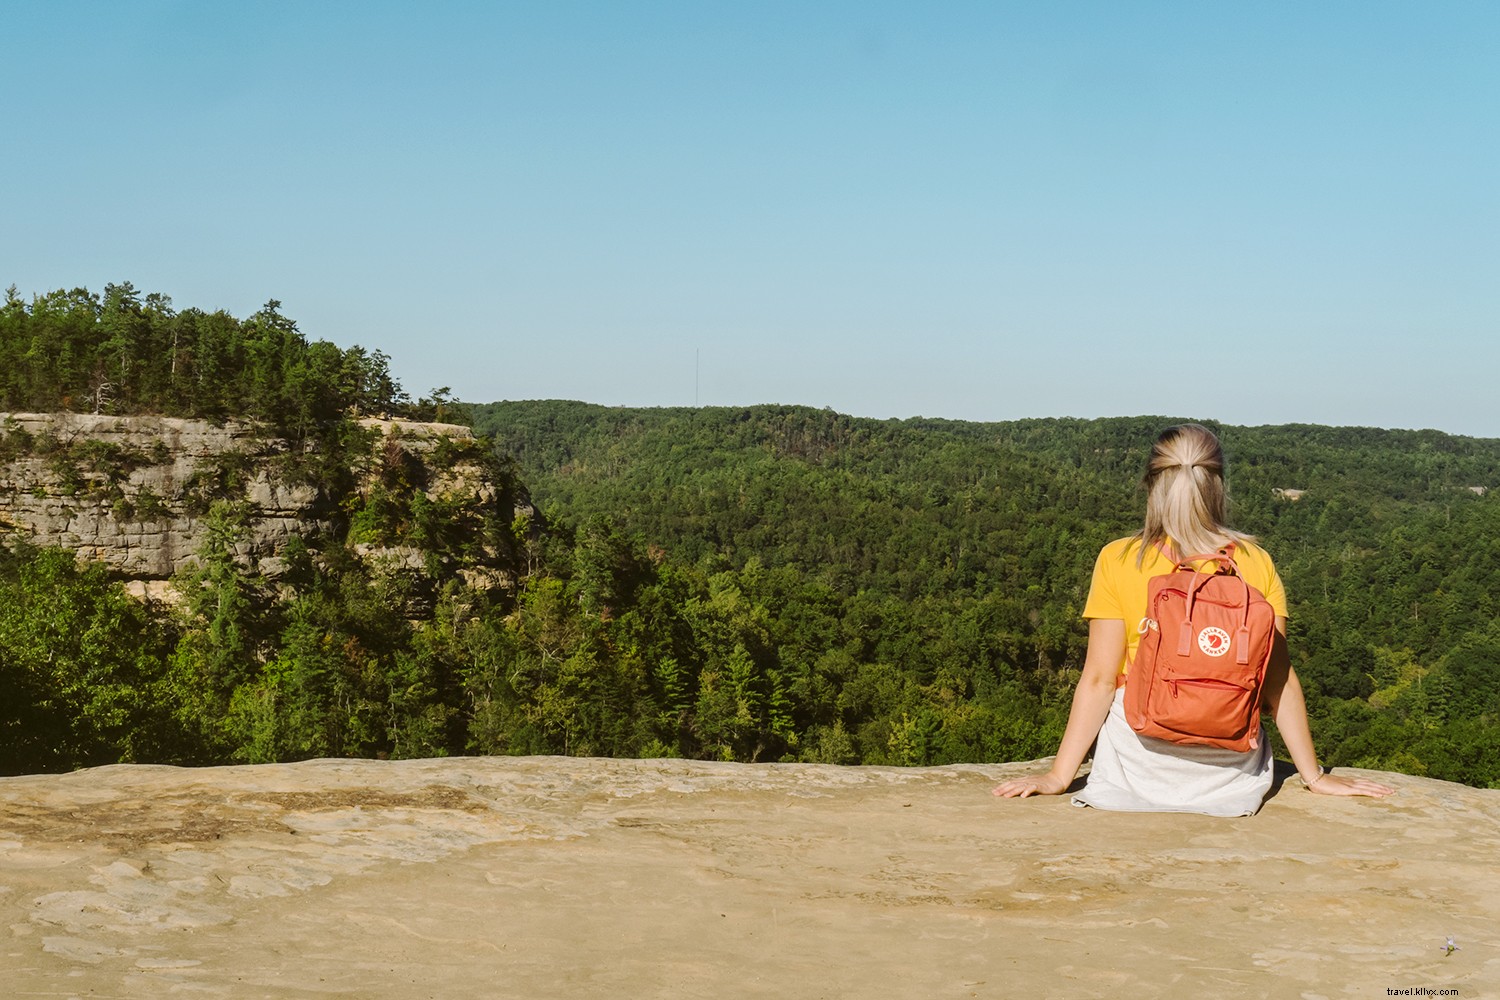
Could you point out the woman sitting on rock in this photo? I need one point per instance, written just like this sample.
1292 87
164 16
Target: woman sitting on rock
1184 517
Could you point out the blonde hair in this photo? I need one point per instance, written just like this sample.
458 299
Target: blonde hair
1185 494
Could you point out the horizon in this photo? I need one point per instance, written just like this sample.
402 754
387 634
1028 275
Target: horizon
990 212
1168 420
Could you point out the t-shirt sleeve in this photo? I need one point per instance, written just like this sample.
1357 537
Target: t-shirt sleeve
1104 590
1276 594
1269 581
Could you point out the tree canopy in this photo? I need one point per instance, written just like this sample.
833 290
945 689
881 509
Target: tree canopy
125 352
755 584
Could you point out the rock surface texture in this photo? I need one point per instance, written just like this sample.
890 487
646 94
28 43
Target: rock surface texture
132 491
559 877
126 490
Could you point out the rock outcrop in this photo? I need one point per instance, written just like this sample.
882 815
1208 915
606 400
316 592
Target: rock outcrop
543 877
133 491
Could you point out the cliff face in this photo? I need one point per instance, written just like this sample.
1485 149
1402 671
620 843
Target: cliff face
541 877
134 492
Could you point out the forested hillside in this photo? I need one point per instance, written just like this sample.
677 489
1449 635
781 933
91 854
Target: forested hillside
343 651
970 544
770 583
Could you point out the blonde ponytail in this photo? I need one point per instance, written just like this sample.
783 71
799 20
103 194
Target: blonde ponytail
1185 494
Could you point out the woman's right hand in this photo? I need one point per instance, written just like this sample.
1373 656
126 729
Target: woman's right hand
1033 784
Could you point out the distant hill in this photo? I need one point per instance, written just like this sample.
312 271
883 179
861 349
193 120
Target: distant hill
923 506
1389 541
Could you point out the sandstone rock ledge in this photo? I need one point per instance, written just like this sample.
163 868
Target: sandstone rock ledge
553 877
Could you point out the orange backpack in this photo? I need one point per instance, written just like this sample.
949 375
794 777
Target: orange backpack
1201 665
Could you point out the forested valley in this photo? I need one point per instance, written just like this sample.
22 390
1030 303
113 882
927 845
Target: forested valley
756 584
917 583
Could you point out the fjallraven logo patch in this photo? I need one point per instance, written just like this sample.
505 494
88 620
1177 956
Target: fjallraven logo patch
1213 641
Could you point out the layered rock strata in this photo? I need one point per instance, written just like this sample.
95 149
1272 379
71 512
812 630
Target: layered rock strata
133 492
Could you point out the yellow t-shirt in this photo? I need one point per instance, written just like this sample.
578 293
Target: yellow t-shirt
1119 587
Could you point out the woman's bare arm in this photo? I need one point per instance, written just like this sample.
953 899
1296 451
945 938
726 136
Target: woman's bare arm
1289 709
1091 701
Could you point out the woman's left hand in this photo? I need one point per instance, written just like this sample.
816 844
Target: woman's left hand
1337 784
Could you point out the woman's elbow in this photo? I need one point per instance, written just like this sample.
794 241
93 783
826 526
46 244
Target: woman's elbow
1282 683
1099 681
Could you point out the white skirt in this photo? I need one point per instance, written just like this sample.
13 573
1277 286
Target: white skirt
1134 773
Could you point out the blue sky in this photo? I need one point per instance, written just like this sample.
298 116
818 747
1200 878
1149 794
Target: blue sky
973 210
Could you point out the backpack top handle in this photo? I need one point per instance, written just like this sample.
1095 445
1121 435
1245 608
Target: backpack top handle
1224 559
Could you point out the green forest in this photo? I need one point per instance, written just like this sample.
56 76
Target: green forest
962 552
770 583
